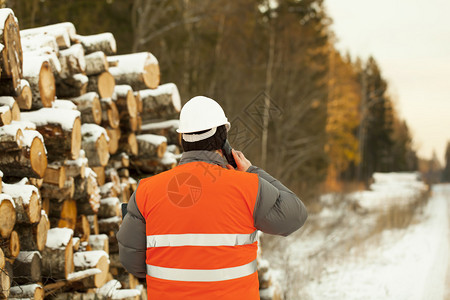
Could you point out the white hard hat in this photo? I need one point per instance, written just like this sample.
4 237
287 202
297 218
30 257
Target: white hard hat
200 114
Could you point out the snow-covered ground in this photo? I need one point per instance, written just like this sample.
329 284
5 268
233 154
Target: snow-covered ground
342 254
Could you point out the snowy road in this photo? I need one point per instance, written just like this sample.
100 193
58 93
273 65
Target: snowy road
411 263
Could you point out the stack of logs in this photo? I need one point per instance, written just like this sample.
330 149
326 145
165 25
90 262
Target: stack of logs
77 124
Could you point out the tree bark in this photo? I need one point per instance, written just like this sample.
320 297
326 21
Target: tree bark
95 145
161 103
96 63
72 61
109 207
11 138
99 242
57 262
104 42
27 267
55 175
151 146
72 86
164 128
82 228
128 144
54 192
29 291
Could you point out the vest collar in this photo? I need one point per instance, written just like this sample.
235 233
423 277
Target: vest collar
210 157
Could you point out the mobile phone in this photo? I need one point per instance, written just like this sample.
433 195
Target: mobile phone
227 152
124 209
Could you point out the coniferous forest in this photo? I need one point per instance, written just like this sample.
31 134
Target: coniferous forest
312 116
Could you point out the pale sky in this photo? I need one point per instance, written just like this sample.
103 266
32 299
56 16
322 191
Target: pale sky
410 39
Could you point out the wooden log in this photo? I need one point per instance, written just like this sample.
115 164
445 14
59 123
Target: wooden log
82 228
114 137
95 144
164 128
62 32
28 267
112 290
11 57
61 129
102 83
111 175
13 106
55 175
139 103
54 192
164 102
87 194
76 241
139 70
11 138
33 43
100 172
5 283
10 245
151 146
72 86
124 172
109 225
2 259
129 144
109 207
27 202
93 223
99 242
119 161
90 107
155 165
77 167
63 214
125 101
24 96
37 71
110 114
96 63
109 189
92 259
72 61
5 115
127 280
30 161
28 291
104 42
34 236
7 215
57 256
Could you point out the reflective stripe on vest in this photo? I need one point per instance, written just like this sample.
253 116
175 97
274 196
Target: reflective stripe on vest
190 239
201 275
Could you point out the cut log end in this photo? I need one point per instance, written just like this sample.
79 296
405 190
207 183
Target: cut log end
46 85
106 84
7 218
34 213
102 150
152 75
76 139
38 157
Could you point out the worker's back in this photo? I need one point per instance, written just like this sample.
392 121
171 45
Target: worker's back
201 238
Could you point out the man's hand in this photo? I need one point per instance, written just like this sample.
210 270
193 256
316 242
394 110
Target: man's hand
242 163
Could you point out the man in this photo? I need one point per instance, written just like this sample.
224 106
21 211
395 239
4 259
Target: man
191 231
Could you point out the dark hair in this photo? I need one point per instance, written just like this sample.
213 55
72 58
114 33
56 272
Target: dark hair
212 143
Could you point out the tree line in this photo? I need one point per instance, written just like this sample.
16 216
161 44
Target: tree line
301 109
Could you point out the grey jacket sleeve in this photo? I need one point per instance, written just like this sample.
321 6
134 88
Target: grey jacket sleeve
132 240
277 210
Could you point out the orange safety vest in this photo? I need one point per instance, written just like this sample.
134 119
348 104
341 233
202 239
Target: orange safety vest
201 238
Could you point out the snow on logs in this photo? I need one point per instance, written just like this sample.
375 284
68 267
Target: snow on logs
61 129
161 103
5 115
139 70
93 259
96 63
165 128
63 33
28 291
11 57
13 106
104 42
29 159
